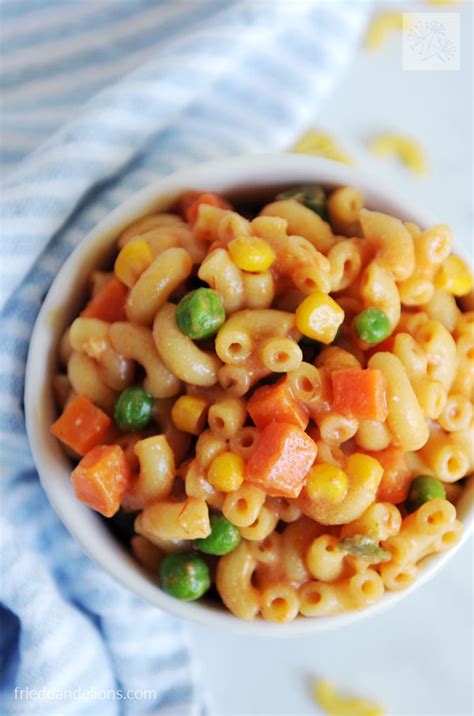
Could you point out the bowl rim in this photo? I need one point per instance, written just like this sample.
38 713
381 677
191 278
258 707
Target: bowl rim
226 174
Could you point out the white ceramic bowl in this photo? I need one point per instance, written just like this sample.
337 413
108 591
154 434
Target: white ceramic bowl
259 176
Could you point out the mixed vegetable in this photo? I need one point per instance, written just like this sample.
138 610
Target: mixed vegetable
286 457
133 409
184 576
223 539
200 313
372 325
422 489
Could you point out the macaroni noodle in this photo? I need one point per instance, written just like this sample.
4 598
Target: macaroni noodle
280 398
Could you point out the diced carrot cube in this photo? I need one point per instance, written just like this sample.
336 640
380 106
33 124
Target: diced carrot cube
359 393
109 303
82 425
276 404
101 478
281 459
396 478
191 212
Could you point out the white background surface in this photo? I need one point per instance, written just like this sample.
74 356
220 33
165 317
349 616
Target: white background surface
417 658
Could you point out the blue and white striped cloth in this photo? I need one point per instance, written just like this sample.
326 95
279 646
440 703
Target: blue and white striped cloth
99 99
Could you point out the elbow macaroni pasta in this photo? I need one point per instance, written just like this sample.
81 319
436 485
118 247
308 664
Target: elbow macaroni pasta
227 417
378 288
356 592
232 410
156 284
391 241
92 336
243 506
344 206
345 259
234 582
405 417
373 435
178 352
302 222
136 343
432 528
156 472
406 149
364 478
431 394
219 271
85 378
432 247
445 457
381 520
170 521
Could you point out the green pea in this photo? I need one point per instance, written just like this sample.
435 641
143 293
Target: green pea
423 489
133 409
223 539
372 325
312 197
200 313
185 576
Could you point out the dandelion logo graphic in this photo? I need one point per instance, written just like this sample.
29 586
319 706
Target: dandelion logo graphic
431 41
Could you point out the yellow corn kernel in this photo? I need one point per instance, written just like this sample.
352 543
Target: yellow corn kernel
335 704
404 148
319 317
321 144
454 276
250 253
326 482
132 261
226 472
189 414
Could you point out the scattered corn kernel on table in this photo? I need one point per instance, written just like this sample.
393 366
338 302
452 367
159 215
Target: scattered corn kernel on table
414 659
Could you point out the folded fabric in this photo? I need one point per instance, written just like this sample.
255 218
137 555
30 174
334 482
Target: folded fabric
146 87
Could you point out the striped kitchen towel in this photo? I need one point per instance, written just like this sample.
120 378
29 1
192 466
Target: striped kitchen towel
99 99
